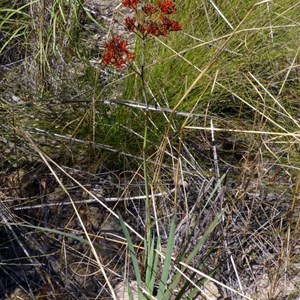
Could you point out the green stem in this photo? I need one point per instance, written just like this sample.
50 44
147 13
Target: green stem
148 225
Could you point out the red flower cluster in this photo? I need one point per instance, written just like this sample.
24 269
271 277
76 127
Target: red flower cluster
149 23
116 52
149 20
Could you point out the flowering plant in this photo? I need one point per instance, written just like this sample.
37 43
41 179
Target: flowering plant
147 20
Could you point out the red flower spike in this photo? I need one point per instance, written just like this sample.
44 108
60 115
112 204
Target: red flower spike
130 23
130 3
149 9
167 7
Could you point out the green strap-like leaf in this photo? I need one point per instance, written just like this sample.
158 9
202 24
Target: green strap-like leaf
132 255
167 263
201 242
152 263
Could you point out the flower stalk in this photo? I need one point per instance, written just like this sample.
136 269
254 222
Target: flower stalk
147 21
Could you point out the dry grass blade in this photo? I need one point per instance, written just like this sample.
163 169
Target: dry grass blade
291 134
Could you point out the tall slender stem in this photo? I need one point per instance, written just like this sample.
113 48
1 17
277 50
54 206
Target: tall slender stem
144 39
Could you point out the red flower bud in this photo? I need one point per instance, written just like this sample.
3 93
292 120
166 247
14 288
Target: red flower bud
149 9
152 28
130 23
167 7
169 25
130 3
